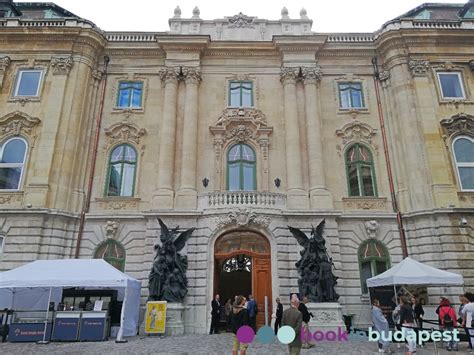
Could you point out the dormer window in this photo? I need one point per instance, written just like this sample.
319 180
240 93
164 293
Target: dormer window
423 15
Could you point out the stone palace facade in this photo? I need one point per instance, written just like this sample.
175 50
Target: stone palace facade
239 126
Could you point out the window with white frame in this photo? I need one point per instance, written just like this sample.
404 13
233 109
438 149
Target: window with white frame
350 95
12 163
451 85
463 148
28 82
241 94
130 94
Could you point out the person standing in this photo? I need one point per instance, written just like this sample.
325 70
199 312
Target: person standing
252 309
279 314
381 325
215 315
306 318
447 317
418 312
293 318
468 318
239 318
408 323
228 311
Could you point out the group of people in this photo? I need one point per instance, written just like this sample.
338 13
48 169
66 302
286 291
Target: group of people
250 306
409 314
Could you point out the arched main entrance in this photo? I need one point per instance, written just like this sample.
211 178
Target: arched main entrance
243 267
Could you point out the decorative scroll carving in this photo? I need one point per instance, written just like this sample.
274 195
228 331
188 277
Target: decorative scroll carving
61 65
243 217
356 131
111 228
192 74
124 132
289 75
170 74
114 203
240 21
17 123
419 67
460 123
4 64
311 75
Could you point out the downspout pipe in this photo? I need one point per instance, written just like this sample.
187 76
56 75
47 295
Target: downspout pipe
98 124
395 206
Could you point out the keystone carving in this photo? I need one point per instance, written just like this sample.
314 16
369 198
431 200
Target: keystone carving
61 65
124 132
356 131
16 123
243 217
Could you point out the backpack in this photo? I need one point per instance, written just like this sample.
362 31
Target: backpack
447 320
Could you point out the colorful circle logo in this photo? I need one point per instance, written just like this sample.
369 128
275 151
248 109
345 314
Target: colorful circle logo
245 334
286 334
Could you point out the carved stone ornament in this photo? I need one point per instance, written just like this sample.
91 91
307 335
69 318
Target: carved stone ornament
460 123
384 75
169 74
241 21
111 228
356 132
16 123
61 65
124 132
324 317
97 74
243 217
311 75
361 203
4 64
289 75
419 67
371 227
118 203
192 74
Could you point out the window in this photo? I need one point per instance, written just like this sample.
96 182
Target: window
241 94
113 252
241 168
451 85
463 148
350 95
122 170
130 94
28 83
12 154
360 171
373 260
2 241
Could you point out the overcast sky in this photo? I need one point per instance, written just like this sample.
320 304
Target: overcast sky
327 16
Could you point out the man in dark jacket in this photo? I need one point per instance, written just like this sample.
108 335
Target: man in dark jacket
279 314
239 318
293 318
215 314
306 318
252 309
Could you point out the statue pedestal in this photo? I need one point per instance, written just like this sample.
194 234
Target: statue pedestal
174 319
327 316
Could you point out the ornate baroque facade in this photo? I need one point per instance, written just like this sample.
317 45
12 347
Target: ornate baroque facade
238 125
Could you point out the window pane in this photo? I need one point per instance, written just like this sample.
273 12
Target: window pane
464 150
130 154
117 154
365 273
467 178
124 98
137 98
234 94
353 181
14 152
363 154
367 181
127 180
450 85
247 97
29 82
345 99
234 153
234 177
356 98
114 180
380 266
247 153
10 178
249 177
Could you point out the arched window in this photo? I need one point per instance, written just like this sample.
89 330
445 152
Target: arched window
113 252
360 171
373 260
241 164
122 171
12 163
463 148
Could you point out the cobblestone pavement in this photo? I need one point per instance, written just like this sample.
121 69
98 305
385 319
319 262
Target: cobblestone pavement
219 344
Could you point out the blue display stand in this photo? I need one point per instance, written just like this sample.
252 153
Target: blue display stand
93 326
66 326
28 332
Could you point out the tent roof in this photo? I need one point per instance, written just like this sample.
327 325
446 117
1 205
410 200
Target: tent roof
65 273
412 272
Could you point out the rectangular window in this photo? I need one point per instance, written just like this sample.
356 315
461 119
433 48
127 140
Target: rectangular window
241 94
350 95
130 94
451 85
28 83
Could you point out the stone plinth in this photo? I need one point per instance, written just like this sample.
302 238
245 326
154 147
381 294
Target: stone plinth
326 316
174 319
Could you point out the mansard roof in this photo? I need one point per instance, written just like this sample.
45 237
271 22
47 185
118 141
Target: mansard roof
436 11
39 10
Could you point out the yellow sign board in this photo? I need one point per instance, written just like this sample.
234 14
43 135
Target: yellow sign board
155 320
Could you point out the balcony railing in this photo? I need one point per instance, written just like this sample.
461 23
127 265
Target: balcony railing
223 199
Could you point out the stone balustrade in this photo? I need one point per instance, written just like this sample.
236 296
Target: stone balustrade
225 199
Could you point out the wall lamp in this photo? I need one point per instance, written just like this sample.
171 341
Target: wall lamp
277 182
205 182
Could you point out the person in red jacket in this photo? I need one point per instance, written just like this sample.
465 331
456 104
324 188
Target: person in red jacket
447 320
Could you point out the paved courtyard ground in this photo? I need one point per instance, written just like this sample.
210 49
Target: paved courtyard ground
219 344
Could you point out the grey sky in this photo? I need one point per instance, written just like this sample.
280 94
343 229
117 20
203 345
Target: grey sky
327 16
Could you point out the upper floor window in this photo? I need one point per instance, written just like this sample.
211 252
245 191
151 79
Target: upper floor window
451 85
241 94
241 168
28 82
130 94
122 171
373 260
12 161
350 95
113 252
463 148
360 171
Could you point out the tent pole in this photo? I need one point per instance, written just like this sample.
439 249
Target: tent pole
44 341
395 293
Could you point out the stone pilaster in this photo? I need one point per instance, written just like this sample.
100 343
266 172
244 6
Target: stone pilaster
186 196
297 197
320 197
164 195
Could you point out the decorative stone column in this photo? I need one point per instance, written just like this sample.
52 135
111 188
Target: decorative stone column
297 197
320 197
186 197
163 197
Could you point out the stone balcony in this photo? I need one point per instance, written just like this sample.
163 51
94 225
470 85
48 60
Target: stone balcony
230 199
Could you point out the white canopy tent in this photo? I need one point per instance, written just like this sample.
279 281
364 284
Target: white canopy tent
33 285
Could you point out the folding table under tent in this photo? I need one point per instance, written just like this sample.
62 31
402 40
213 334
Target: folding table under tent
34 285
